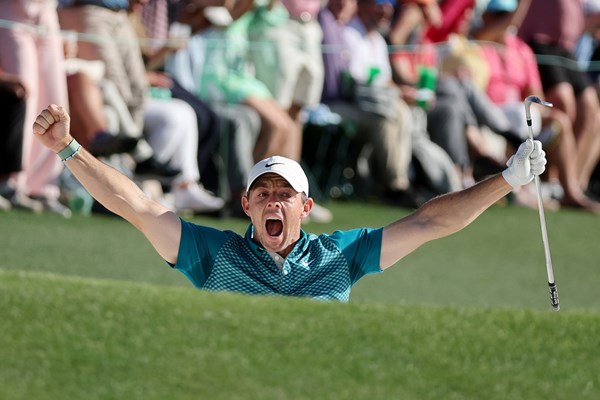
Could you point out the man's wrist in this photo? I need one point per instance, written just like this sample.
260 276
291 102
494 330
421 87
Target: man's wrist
69 151
508 177
513 180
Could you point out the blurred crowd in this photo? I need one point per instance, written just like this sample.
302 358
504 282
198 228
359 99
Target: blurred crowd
185 96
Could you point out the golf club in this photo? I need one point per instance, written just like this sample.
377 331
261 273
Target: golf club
551 283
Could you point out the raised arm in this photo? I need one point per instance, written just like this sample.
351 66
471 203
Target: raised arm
449 213
110 187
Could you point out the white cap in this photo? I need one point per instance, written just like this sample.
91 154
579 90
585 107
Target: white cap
288 169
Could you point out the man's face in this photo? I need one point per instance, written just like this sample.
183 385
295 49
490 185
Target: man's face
276 211
342 10
375 15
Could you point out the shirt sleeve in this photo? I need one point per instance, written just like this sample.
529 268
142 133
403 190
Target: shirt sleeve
198 249
362 249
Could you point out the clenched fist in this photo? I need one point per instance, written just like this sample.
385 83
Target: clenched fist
51 127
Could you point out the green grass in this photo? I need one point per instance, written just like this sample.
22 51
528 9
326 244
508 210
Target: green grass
80 338
89 310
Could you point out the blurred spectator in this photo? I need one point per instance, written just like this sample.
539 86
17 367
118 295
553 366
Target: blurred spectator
451 123
224 78
388 134
214 65
336 53
32 52
102 19
12 103
87 105
513 77
170 124
552 28
587 51
159 41
171 129
413 12
240 123
99 116
460 107
370 68
286 54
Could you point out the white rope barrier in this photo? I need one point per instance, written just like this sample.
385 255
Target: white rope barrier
441 48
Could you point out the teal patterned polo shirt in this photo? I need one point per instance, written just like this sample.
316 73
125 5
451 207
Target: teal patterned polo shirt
319 266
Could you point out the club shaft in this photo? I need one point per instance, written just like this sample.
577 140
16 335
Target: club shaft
549 270
544 230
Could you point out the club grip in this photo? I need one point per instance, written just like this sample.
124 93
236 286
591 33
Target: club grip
554 296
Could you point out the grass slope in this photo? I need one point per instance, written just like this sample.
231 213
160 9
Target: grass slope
73 338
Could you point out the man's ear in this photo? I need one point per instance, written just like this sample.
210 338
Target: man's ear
307 207
245 204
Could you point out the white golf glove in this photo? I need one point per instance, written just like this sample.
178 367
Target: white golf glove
528 161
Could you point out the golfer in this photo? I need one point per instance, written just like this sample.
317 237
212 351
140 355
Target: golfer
276 256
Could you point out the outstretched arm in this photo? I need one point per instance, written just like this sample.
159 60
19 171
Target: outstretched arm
449 213
439 217
111 188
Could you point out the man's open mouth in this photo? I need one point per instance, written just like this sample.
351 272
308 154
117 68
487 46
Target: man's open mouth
274 226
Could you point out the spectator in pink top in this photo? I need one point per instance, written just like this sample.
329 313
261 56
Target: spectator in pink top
513 69
514 76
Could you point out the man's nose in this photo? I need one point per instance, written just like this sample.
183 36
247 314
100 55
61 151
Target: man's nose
273 201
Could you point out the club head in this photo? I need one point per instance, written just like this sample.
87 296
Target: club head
537 100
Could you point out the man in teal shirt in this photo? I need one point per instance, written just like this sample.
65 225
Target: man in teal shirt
276 255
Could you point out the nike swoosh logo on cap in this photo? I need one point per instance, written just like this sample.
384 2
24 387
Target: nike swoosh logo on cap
271 164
